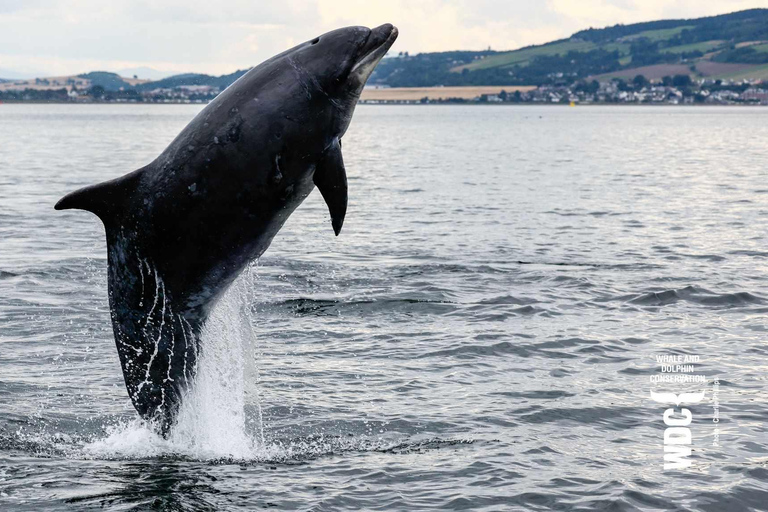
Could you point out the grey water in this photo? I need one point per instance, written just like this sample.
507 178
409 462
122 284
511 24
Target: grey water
482 335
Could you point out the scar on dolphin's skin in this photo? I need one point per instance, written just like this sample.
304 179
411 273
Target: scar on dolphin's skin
182 228
278 176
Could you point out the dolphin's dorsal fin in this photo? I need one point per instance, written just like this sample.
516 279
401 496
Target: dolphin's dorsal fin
331 178
106 199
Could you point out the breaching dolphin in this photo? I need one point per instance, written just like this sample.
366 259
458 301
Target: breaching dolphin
180 230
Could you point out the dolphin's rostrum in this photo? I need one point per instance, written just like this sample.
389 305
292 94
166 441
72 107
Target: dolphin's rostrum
181 229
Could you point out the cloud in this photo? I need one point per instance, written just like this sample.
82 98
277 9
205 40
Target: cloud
437 25
600 13
70 36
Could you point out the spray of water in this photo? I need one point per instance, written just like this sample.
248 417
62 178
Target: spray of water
212 422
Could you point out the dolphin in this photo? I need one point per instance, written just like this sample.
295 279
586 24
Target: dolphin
181 229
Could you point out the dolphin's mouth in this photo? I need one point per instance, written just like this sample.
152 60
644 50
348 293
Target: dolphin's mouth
375 47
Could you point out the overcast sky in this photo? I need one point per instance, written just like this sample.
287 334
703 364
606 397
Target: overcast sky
217 37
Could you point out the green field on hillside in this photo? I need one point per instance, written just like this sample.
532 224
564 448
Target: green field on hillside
658 35
703 47
763 48
525 54
622 48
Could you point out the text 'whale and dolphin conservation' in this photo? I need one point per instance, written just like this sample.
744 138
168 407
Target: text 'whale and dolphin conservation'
181 229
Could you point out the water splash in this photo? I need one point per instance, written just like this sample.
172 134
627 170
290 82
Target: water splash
212 422
248 293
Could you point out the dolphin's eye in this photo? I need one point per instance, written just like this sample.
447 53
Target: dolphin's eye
315 40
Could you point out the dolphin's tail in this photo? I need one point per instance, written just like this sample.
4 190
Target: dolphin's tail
156 337
107 200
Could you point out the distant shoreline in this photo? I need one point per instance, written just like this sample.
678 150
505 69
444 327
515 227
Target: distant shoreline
412 103
603 94
415 94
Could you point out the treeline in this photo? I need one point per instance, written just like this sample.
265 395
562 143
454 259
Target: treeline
96 93
748 25
745 54
573 64
608 34
751 25
47 95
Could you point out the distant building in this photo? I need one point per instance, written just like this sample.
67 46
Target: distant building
755 96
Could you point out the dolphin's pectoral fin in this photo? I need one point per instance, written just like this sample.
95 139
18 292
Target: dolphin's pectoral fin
331 178
106 199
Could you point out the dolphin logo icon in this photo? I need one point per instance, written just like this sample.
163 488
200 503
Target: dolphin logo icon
665 398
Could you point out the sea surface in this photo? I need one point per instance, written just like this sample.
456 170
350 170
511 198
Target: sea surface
482 335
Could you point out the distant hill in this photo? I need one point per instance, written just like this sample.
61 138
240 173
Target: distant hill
222 82
144 73
731 46
109 81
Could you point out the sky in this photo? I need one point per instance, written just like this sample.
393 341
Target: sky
64 37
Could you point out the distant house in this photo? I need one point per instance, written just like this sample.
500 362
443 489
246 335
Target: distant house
755 96
199 89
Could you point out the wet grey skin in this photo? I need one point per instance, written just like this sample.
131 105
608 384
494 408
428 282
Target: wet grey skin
180 230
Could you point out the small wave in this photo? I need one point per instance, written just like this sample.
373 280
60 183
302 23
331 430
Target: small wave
696 295
705 257
657 298
508 299
499 313
581 264
544 394
728 299
333 307
501 349
612 418
563 213
557 264
755 254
